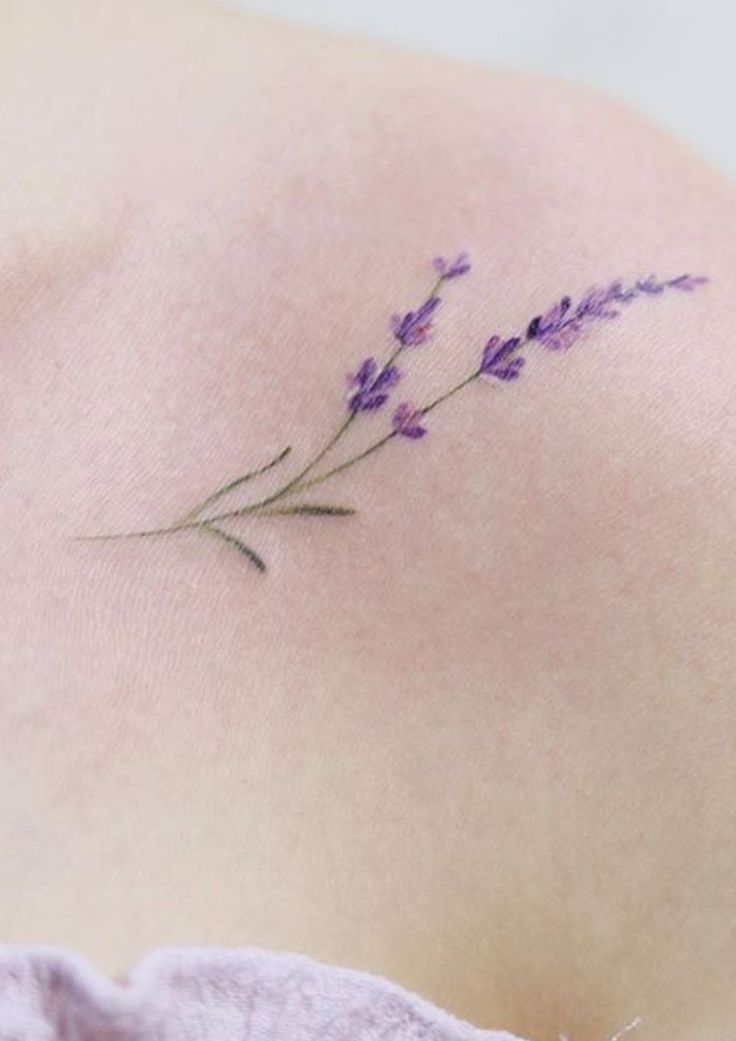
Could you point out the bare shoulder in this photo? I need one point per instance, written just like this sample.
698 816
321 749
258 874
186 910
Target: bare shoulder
470 726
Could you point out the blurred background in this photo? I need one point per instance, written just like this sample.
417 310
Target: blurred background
673 59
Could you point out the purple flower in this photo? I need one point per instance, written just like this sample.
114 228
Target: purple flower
688 282
448 269
595 302
415 327
407 421
617 292
563 324
564 337
545 324
650 285
496 359
369 387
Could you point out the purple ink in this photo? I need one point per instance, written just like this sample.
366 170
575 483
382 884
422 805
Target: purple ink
415 327
369 387
496 359
407 421
688 283
448 269
564 324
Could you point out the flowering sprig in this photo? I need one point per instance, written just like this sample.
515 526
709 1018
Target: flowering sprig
415 327
563 324
407 421
496 359
369 388
448 269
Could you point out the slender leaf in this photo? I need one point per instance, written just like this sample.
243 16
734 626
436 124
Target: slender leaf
254 473
310 510
218 494
237 543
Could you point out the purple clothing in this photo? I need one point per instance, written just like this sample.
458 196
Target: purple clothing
191 994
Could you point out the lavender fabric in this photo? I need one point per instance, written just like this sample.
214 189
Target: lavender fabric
182 994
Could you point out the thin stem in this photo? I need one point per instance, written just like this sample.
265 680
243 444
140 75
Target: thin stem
320 478
342 429
295 482
193 520
220 492
450 393
260 508
182 526
433 291
388 437
348 463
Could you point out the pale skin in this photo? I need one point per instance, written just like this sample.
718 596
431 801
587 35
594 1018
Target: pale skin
478 738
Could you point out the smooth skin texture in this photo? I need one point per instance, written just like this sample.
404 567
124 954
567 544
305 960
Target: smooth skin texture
479 738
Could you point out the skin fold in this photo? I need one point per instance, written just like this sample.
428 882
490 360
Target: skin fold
479 737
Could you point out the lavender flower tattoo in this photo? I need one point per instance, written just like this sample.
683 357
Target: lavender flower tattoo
371 385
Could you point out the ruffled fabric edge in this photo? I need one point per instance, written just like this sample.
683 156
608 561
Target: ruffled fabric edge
213 994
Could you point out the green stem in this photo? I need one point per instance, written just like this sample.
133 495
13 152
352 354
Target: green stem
297 482
320 478
192 520
149 532
203 526
348 463
260 508
387 437
294 481
450 393
220 492
435 287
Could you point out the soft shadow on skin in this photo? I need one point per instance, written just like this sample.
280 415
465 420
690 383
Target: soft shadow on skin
494 703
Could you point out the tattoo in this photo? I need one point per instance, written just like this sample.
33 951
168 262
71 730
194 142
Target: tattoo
371 385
